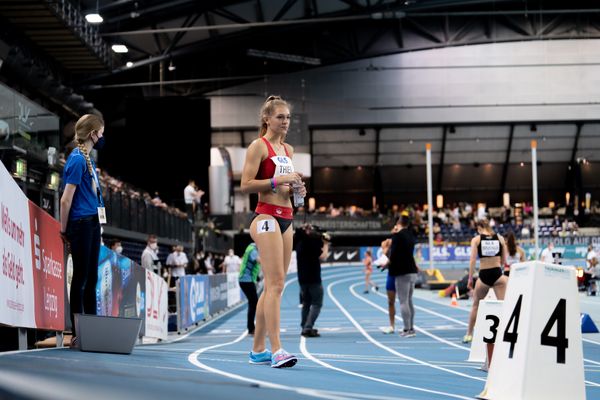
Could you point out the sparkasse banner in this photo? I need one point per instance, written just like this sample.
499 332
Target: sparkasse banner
32 277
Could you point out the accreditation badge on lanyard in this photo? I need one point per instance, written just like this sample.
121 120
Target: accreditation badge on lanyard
283 165
101 209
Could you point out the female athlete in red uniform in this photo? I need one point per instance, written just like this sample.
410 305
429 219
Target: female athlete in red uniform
269 171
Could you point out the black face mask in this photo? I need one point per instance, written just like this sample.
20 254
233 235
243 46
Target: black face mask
99 144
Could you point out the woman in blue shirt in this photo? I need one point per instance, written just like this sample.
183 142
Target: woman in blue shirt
81 208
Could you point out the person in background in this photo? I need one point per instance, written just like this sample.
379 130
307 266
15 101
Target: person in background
547 256
402 266
177 261
515 253
209 264
192 196
491 249
248 277
592 271
231 263
198 263
150 259
311 248
81 212
115 245
368 263
189 197
382 262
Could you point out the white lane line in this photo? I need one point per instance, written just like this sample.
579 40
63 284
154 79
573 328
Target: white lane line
380 345
8 353
213 320
193 359
334 274
308 355
591 341
465 324
418 329
107 362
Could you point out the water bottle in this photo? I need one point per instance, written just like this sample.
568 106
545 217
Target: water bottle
298 199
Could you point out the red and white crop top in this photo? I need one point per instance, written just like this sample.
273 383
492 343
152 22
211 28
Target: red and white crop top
274 165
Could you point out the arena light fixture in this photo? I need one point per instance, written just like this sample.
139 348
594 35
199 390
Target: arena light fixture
439 201
119 48
129 64
94 18
273 55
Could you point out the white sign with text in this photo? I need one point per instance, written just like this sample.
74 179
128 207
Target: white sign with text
538 352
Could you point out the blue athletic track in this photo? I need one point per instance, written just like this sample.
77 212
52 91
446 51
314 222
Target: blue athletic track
352 359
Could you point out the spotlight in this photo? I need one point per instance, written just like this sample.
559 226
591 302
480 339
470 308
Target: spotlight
361 132
452 129
533 128
94 18
119 48
129 64
172 66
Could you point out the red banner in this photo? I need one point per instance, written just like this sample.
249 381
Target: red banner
48 269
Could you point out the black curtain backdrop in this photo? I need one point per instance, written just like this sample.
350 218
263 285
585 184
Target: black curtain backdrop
165 142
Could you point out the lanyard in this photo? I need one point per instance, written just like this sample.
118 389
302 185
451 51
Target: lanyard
95 176
98 191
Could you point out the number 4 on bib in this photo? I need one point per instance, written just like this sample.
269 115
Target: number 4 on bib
265 226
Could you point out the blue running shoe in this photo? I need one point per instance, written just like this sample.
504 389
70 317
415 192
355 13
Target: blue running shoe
283 359
260 358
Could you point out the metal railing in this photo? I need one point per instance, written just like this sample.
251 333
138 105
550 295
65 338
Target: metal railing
135 215
72 17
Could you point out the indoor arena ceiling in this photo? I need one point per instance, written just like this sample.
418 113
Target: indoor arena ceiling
191 47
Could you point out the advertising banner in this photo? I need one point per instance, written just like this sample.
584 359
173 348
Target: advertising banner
217 298
16 279
233 289
32 279
447 253
121 287
157 310
344 254
193 300
47 253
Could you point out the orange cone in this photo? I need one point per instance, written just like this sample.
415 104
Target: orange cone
454 302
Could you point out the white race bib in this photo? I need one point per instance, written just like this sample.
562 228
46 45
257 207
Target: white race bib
490 248
283 165
265 226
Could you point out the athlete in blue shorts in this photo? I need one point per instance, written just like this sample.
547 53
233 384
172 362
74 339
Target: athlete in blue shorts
390 285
